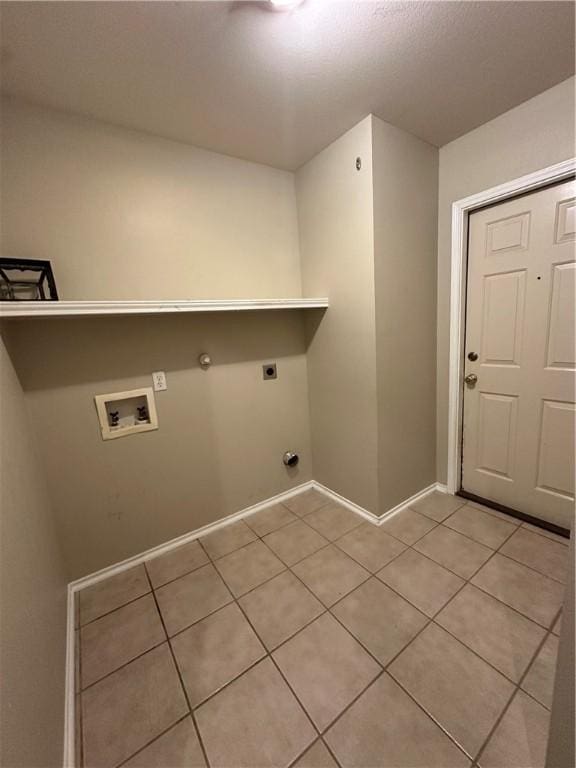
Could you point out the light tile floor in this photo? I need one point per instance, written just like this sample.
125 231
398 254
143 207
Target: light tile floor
306 637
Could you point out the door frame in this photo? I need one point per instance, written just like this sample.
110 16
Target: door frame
461 209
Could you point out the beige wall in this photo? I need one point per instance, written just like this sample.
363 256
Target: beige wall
125 215
405 173
32 595
221 437
536 134
337 251
365 239
368 241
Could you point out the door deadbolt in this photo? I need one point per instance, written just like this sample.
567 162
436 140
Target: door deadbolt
471 379
473 356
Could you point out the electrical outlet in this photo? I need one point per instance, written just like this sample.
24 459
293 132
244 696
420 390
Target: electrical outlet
269 371
159 381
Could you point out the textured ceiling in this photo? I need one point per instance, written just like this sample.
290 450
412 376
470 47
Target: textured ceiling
278 87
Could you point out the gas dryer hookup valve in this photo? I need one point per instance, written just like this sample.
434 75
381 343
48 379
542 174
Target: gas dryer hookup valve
291 459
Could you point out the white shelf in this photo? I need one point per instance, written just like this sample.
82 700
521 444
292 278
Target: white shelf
77 308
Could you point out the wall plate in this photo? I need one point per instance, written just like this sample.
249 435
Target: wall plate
269 371
159 381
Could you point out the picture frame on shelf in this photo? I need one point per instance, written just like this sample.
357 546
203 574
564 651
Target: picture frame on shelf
27 280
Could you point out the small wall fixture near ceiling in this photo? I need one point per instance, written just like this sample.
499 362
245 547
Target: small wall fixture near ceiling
283 5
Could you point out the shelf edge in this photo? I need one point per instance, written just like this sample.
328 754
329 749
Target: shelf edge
83 308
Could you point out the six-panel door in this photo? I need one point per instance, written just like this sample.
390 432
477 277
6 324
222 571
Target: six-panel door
519 417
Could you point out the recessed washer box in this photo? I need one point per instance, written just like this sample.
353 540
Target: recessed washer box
126 413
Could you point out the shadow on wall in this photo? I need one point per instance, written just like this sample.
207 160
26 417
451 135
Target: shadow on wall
64 351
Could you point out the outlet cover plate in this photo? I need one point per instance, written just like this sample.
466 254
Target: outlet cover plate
159 381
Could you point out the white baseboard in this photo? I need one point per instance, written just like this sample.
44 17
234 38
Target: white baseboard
370 516
407 502
162 549
69 752
111 570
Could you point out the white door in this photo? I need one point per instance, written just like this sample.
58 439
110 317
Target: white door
519 415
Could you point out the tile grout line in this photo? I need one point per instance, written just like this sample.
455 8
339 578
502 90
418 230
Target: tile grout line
385 667
546 575
301 518
267 651
351 703
174 661
300 755
113 610
212 560
520 562
563 540
277 667
382 672
273 660
329 748
172 725
328 609
520 522
325 503
527 668
517 688
380 568
471 538
237 676
168 636
220 607
529 531
211 613
410 696
407 692
430 716
468 538
289 567
511 607
286 565
270 655
148 743
122 666
547 630
372 574
469 578
486 661
432 620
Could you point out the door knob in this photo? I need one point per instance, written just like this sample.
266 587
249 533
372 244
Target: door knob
471 379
